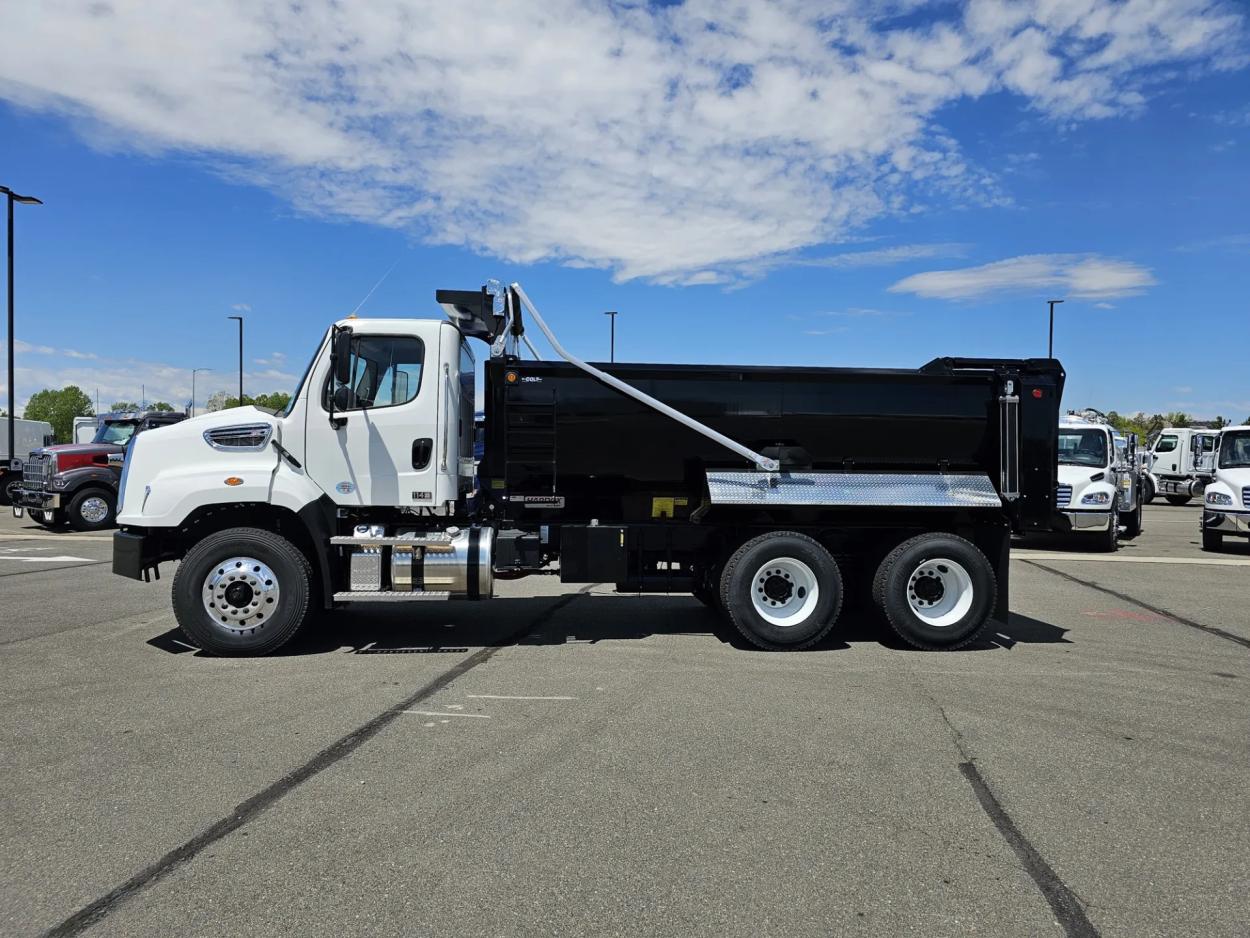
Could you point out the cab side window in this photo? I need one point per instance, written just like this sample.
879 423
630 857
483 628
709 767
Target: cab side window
1166 443
385 371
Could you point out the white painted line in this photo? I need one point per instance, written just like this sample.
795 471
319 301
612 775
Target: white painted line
507 697
62 559
1120 558
439 713
54 537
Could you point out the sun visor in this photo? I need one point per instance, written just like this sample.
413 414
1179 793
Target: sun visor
474 312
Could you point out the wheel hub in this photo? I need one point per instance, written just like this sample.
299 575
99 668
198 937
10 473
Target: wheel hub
778 588
94 509
928 588
241 593
940 592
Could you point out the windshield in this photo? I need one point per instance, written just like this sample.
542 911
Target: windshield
1235 450
116 432
1082 447
299 388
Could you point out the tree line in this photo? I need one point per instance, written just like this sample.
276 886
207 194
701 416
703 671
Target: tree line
60 406
1148 427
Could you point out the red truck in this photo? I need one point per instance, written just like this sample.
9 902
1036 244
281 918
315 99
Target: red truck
76 483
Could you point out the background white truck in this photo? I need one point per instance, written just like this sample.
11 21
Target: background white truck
28 435
1226 508
1182 461
1099 483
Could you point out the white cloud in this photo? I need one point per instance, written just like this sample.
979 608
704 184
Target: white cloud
275 359
1184 389
1080 276
1104 306
241 307
681 144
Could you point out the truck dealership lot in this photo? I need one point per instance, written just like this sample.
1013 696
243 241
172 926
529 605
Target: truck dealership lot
565 761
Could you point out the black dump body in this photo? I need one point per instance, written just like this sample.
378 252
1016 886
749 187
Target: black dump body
555 433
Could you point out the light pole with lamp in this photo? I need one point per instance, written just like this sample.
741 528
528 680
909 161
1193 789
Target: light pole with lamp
194 372
25 200
1050 347
240 319
612 348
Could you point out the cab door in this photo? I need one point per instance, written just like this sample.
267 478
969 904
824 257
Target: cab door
380 447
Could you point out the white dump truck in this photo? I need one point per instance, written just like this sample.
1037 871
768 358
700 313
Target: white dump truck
28 435
1226 501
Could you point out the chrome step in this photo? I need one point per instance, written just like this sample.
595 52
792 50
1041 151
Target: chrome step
389 596
435 543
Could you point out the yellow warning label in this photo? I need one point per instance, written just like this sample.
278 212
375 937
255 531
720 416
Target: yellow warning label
667 507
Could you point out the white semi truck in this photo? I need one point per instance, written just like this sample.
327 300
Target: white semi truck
1226 501
1182 462
28 435
1100 484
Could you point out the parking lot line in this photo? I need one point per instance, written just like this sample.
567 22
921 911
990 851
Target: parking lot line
56 537
506 697
1121 558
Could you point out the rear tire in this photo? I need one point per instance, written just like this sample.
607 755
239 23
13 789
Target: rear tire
1212 540
242 591
91 510
1178 499
1147 491
937 591
782 591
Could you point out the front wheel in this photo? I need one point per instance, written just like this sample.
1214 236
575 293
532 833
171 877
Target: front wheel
1132 525
1212 540
242 591
782 590
937 591
1178 499
91 510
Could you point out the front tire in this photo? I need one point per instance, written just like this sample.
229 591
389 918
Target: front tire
242 591
91 510
1212 540
1178 500
782 591
1108 542
1132 527
937 591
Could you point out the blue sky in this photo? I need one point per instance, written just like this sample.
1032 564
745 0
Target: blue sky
752 184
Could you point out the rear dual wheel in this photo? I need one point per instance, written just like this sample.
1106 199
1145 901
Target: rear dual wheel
937 591
782 591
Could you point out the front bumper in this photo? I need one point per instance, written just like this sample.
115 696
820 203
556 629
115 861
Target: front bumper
1083 521
1226 522
36 498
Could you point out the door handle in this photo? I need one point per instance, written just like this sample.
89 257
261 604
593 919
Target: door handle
422 450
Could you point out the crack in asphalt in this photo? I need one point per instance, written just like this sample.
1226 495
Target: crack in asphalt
249 810
1066 905
1157 610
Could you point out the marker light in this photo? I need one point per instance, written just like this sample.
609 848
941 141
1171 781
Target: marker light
234 480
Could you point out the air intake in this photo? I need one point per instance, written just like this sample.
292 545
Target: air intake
247 436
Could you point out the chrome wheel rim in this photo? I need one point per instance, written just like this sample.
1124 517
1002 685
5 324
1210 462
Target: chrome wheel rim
784 592
940 592
94 509
240 594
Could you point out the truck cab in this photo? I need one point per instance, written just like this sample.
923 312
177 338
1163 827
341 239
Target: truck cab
76 483
1182 461
28 436
1100 484
1226 500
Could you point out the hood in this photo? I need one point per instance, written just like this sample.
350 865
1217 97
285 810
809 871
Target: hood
83 449
1078 475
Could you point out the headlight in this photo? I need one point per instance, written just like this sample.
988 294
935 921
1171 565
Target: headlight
1096 498
59 483
1219 498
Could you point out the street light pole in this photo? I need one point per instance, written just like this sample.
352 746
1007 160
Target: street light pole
1050 346
194 372
612 348
25 200
240 319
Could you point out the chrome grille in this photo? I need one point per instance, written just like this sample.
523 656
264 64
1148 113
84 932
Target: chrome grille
1245 497
1063 496
38 470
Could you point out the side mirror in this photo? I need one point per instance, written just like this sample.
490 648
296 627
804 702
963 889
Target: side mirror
341 356
342 397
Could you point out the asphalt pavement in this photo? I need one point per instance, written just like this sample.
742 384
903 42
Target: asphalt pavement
566 761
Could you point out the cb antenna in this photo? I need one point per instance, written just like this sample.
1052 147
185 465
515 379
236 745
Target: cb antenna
352 314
